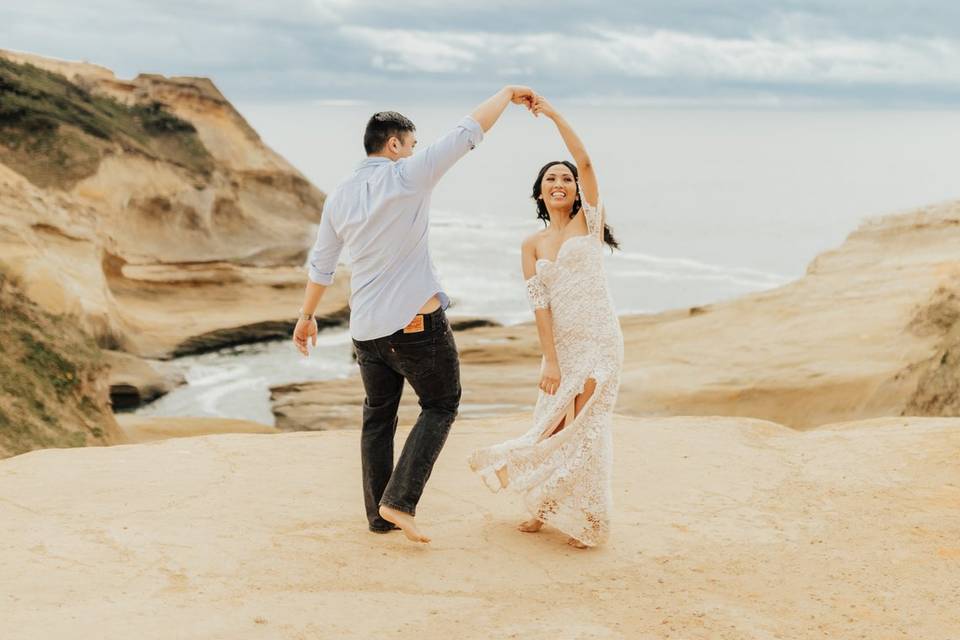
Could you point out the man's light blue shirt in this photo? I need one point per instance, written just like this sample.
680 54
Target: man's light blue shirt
381 214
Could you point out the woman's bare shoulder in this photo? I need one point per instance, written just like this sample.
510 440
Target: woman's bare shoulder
532 240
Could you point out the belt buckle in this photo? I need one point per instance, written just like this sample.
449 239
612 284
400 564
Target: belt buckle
415 326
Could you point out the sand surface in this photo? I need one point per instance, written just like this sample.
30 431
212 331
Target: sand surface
724 528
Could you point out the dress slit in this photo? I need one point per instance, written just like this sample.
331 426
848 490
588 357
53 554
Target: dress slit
570 413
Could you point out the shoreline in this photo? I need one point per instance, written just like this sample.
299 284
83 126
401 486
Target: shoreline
159 385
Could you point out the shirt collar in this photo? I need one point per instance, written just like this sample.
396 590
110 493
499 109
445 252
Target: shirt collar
369 161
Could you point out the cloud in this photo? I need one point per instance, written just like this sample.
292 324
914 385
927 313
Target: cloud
789 60
643 51
411 51
646 53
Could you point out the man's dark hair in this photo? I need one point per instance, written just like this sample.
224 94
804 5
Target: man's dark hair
382 126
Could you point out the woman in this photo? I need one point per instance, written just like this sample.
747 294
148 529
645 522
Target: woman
562 465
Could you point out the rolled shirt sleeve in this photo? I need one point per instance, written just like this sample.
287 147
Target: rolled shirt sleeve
423 170
322 261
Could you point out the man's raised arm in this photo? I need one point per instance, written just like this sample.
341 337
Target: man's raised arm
423 170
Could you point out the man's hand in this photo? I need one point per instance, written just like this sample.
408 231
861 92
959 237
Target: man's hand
520 94
305 330
490 110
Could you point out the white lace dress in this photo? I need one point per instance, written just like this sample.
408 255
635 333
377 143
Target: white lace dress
565 478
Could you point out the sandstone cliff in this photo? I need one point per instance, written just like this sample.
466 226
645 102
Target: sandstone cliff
149 208
150 214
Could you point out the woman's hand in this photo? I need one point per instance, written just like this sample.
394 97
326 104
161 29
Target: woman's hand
550 377
305 330
542 105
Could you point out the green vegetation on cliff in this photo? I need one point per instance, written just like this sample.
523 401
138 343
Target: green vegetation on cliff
55 132
51 390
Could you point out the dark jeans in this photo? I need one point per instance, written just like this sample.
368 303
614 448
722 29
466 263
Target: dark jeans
428 360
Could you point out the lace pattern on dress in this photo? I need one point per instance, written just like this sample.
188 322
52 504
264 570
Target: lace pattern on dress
564 479
537 293
592 215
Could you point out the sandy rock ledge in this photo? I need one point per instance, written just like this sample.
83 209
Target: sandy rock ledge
725 528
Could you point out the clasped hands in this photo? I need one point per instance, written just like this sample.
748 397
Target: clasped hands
534 102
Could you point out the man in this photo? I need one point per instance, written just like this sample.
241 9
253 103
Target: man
397 321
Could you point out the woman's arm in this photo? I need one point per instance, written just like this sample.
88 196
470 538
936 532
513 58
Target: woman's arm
550 373
587 177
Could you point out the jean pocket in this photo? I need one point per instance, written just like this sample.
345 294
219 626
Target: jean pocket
361 353
416 359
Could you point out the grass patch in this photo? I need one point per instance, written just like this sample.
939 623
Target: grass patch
55 132
49 365
46 369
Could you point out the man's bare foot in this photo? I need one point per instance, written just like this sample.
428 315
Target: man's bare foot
404 521
576 544
530 526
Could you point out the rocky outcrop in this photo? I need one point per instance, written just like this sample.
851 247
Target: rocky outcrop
140 429
137 191
724 528
938 388
254 332
150 212
842 343
135 381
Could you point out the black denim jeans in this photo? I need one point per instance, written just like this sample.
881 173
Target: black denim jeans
429 362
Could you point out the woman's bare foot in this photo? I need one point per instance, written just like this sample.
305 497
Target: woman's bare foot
530 526
404 521
502 477
576 544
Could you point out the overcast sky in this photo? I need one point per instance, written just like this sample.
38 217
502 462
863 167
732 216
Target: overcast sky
752 52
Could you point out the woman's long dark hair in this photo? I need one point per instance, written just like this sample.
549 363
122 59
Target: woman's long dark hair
544 215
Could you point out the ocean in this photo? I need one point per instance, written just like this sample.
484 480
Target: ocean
707 205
